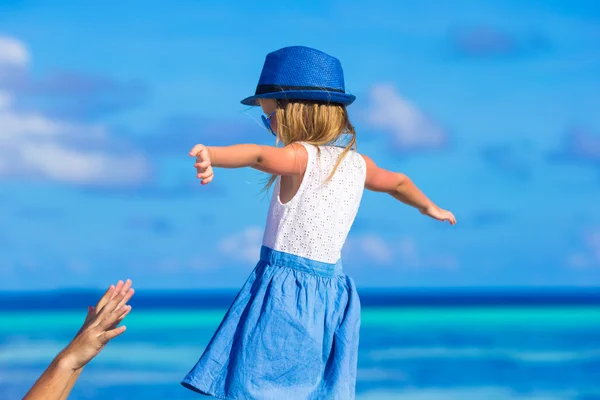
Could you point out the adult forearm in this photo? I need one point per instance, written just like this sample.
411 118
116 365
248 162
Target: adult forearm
70 384
237 156
53 383
407 192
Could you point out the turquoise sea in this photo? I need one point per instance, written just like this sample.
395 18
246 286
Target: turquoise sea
411 347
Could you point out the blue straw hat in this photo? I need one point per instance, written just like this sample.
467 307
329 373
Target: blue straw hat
301 73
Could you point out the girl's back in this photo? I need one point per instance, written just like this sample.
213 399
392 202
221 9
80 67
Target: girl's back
315 223
292 331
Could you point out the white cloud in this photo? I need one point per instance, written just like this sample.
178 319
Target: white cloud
410 256
13 52
579 261
34 145
593 242
403 253
14 124
579 144
589 256
375 248
370 246
197 262
63 164
5 100
407 249
243 246
409 127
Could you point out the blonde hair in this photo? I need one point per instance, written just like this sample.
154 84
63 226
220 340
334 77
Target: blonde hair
316 123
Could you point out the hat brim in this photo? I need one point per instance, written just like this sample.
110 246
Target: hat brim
315 95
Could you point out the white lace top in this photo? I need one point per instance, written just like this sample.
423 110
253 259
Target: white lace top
315 223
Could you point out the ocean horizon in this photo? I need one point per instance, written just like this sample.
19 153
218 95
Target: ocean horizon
76 298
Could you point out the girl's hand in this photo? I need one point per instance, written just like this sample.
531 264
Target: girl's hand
99 328
435 212
204 170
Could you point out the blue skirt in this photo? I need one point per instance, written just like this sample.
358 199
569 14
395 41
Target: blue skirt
291 333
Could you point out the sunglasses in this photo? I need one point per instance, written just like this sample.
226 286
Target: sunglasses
267 122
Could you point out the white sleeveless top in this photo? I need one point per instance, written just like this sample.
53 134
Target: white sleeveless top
314 224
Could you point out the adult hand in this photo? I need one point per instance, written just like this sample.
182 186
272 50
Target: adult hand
100 326
110 293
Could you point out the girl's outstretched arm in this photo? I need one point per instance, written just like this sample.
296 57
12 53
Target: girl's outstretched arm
402 188
288 160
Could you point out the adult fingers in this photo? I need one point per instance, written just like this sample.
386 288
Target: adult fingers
111 306
107 336
113 318
123 289
121 318
118 287
106 296
126 298
126 286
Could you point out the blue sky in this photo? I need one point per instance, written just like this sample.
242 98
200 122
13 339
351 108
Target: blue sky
491 108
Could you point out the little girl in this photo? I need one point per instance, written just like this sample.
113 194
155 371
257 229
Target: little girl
292 331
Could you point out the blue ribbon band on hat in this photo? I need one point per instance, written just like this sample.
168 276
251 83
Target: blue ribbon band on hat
263 89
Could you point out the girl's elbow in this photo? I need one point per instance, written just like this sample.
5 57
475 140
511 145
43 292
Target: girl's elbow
402 181
257 157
